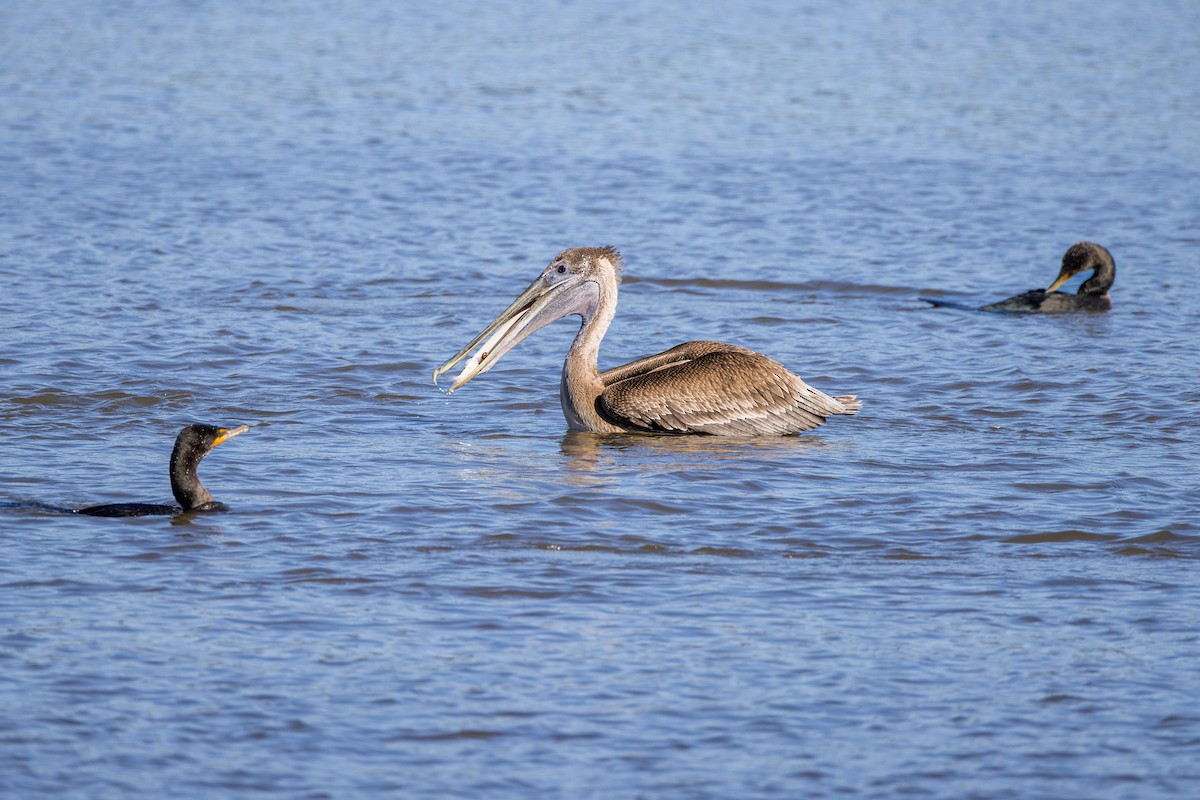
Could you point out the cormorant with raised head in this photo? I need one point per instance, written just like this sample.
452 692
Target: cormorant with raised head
193 443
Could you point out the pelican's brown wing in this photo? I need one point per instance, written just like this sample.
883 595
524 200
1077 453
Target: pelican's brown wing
679 354
720 389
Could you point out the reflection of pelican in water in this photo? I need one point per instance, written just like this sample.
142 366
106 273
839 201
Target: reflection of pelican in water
589 455
1092 294
695 387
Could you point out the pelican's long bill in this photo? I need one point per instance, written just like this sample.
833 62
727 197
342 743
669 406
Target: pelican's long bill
552 296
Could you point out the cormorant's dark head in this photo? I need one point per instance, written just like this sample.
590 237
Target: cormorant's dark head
192 444
1082 256
203 438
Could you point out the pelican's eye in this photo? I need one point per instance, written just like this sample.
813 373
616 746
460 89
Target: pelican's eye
561 269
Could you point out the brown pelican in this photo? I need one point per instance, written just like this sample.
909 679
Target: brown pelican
695 387
1092 294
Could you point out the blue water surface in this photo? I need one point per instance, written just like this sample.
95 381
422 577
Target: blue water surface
286 215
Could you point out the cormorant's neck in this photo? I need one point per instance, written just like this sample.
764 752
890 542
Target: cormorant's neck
185 483
1103 275
1098 284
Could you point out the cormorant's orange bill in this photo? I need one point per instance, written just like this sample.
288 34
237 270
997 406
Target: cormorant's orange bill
1062 278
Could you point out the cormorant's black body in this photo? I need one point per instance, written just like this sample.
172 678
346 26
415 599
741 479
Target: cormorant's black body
129 510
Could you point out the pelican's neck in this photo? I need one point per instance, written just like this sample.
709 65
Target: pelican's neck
581 384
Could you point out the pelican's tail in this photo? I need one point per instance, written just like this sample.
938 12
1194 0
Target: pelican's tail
850 402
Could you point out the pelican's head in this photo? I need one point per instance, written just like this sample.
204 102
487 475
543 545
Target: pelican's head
571 284
1081 257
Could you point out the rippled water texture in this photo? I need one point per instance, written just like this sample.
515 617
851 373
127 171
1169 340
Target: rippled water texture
285 215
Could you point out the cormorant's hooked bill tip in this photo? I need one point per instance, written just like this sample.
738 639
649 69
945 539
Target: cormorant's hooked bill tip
229 433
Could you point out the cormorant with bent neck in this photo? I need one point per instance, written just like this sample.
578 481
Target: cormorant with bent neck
1091 296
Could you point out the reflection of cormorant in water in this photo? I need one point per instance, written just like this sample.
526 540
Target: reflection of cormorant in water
1092 294
193 443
